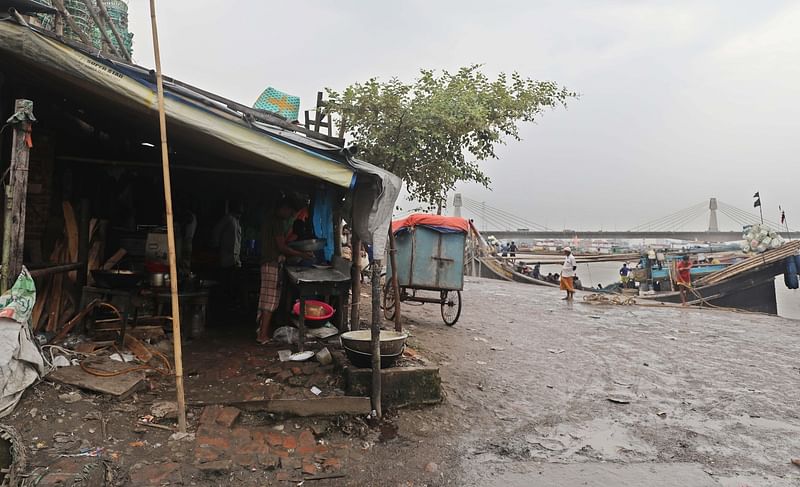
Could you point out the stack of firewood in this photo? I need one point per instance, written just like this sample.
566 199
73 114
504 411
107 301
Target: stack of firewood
58 295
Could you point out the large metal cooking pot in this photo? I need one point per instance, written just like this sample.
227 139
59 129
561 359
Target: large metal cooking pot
364 360
116 279
392 342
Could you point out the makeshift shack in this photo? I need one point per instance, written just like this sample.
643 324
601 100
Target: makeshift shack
91 223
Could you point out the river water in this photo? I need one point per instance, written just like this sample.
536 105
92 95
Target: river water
608 272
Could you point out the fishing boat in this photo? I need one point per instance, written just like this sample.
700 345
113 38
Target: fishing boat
738 281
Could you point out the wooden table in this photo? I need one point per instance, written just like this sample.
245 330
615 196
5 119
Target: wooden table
309 282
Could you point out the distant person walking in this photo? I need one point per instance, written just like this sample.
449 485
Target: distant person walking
512 249
624 274
684 279
568 273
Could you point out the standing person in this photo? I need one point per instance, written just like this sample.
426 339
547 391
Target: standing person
684 279
227 239
567 273
512 249
274 251
537 271
624 274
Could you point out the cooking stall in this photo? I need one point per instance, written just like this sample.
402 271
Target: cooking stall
94 231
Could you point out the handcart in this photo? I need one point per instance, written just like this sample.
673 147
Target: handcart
430 264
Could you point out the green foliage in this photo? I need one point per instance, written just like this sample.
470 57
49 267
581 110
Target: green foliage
433 132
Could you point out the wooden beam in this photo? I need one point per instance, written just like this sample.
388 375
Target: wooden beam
18 182
59 5
120 41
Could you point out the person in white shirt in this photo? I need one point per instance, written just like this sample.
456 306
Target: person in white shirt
568 273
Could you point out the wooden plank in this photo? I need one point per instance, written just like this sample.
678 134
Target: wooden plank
71 234
323 406
41 300
120 386
114 259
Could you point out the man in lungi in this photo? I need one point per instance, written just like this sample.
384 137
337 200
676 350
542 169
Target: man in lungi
274 251
684 279
568 273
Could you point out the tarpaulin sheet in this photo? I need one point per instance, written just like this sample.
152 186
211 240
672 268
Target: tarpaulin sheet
114 82
444 224
21 363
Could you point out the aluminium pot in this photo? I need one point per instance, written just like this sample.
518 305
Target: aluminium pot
392 342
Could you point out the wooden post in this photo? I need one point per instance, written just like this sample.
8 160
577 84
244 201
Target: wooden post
355 278
376 336
173 266
17 192
398 325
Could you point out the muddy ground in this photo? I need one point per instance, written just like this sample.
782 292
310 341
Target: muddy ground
538 392
542 392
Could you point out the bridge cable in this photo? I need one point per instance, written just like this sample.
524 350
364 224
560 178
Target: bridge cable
509 215
512 223
658 221
668 221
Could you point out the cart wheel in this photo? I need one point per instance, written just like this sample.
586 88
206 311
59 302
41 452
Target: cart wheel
451 307
389 307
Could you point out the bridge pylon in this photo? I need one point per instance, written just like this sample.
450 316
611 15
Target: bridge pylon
713 226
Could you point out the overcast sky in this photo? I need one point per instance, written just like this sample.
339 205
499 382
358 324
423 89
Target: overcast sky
680 100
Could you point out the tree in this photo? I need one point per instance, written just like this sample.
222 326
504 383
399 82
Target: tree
433 132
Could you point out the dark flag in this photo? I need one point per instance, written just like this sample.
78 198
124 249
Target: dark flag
756 195
757 203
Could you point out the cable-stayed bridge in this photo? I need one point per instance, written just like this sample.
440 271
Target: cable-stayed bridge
680 225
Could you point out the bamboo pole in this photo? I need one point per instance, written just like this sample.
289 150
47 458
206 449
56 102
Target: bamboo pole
398 326
106 40
120 42
173 266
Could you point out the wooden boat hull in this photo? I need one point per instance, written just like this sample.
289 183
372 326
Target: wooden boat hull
752 290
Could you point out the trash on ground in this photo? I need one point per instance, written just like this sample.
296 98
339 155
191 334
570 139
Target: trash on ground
556 350
301 356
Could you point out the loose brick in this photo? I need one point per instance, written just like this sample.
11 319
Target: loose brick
206 454
254 447
289 442
228 416
209 415
306 438
156 474
241 436
274 438
309 468
296 370
282 476
332 464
